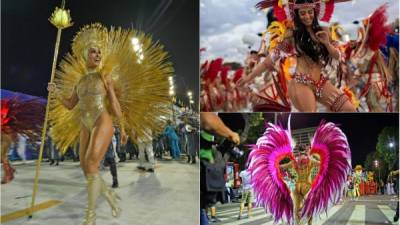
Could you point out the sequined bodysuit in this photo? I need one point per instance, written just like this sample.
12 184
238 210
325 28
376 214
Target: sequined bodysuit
91 93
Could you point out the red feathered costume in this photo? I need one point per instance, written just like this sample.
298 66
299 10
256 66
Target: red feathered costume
18 116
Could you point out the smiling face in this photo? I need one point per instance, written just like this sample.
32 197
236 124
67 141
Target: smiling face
94 57
306 15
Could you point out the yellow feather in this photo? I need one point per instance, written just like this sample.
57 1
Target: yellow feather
277 32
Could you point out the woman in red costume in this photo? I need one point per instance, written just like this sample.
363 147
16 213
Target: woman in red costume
313 57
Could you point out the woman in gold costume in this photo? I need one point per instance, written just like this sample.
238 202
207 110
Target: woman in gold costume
320 172
96 128
100 79
303 166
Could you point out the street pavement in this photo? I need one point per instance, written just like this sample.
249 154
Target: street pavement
168 196
367 210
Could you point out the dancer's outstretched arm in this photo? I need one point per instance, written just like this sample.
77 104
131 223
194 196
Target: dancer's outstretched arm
260 68
211 122
70 102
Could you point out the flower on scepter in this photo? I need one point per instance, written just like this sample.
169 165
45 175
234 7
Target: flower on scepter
61 18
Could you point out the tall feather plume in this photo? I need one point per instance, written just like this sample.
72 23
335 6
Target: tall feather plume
270 189
377 28
214 68
330 143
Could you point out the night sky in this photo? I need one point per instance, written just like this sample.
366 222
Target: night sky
28 37
361 129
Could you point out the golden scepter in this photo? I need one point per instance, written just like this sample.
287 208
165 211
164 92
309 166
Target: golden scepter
61 19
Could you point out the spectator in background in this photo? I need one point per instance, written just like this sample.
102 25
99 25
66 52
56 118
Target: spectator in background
388 188
121 150
145 144
229 192
350 188
210 122
109 160
392 188
173 140
159 146
356 190
183 138
247 194
54 154
382 187
192 147
395 175
75 155
21 147
130 149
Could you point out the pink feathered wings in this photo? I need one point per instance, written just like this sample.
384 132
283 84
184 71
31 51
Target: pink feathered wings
329 142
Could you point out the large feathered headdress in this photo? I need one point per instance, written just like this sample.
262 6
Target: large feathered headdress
284 9
93 35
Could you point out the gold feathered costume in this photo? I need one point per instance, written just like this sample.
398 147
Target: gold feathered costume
139 70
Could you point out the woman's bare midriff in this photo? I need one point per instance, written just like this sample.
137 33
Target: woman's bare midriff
302 95
304 68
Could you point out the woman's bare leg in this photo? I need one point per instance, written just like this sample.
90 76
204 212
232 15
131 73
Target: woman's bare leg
100 137
5 145
8 176
99 141
83 145
334 99
297 206
302 97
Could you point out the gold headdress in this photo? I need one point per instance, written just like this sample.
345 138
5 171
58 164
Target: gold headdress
93 35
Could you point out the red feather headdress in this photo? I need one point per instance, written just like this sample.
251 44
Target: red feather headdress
224 74
238 74
213 69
